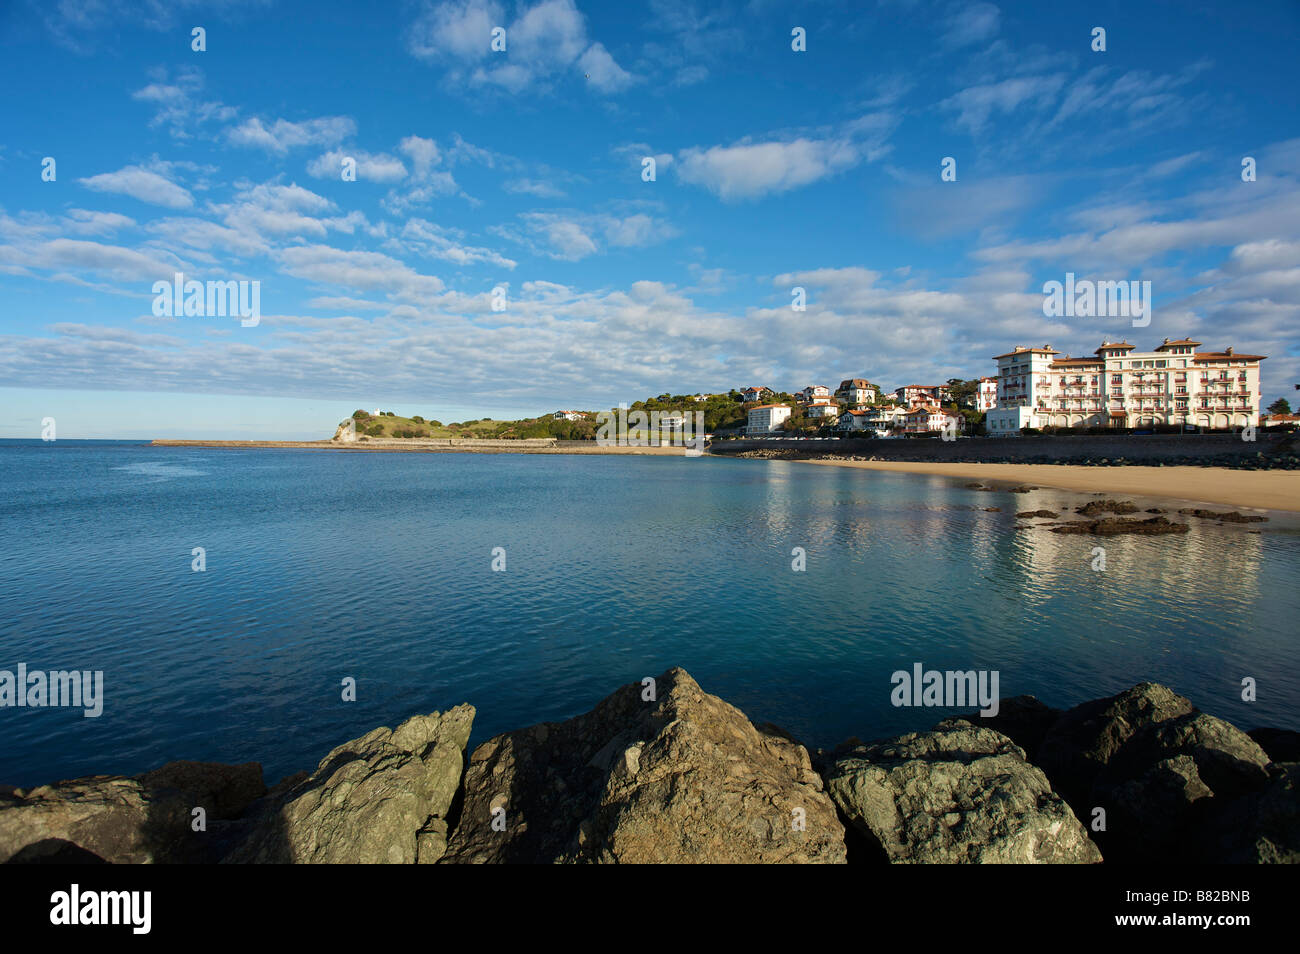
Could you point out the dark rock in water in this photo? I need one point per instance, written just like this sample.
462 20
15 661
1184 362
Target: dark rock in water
976 487
684 777
1037 513
1228 516
1023 489
120 820
1263 827
1281 745
370 801
1162 772
1095 507
958 794
991 509
1113 526
1023 719
1154 510
1084 739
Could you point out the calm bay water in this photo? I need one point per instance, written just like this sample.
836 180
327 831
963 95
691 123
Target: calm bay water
324 565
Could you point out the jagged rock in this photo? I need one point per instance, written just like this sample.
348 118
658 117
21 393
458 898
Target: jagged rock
1281 745
109 818
683 778
960 793
223 791
371 800
1026 514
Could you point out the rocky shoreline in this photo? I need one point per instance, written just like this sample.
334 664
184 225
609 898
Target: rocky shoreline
663 772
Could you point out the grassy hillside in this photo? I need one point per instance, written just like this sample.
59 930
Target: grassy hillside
388 424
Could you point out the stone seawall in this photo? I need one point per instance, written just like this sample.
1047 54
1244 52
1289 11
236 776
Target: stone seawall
1072 449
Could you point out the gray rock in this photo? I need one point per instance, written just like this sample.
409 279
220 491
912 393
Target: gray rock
372 800
684 778
223 791
960 793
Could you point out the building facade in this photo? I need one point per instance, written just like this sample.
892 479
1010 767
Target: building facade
766 418
857 391
1119 386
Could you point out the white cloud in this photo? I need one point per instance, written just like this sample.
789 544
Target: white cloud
379 167
143 184
749 170
283 135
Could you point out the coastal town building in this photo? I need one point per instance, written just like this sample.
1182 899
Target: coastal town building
915 395
986 395
1121 387
568 415
929 418
857 391
822 409
767 418
853 419
814 392
755 394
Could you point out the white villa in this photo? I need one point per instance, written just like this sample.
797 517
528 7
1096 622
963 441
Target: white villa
858 391
813 392
822 408
1123 387
915 395
767 418
986 395
755 394
568 415
928 419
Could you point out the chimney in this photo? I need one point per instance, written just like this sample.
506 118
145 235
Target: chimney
1228 350
1166 341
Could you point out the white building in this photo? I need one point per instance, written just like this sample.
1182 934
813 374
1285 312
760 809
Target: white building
767 418
754 394
813 393
1124 388
568 415
857 391
823 409
928 419
914 395
986 395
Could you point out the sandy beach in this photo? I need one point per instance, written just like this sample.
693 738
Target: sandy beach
1255 489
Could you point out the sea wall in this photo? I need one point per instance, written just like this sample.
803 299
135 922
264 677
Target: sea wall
1046 449
661 771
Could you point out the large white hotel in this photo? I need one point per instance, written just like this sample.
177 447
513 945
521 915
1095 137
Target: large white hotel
1123 387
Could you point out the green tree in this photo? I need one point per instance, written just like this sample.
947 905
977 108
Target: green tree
1280 406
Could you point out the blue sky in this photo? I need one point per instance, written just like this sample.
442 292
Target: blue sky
522 169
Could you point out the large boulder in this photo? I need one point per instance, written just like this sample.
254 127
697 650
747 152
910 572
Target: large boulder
960 793
1023 719
1163 773
1084 739
680 777
110 818
382 798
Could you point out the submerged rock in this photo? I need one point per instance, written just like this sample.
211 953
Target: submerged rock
1025 514
960 793
1224 516
1095 507
684 777
376 799
1113 526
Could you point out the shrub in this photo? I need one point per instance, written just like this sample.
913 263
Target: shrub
360 415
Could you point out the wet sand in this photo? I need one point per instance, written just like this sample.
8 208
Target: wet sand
1254 489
